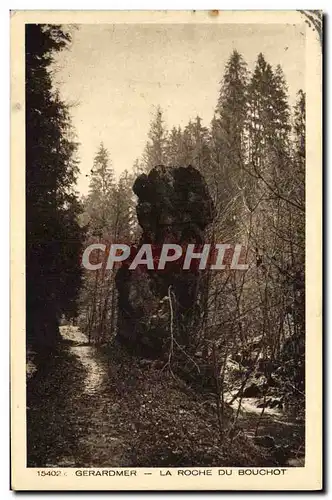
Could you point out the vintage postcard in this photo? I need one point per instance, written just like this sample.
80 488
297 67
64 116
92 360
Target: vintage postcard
166 288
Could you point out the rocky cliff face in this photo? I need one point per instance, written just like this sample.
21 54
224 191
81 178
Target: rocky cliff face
160 307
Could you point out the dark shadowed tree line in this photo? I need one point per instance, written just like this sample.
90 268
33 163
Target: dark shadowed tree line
53 235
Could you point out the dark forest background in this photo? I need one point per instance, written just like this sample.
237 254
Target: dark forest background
252 156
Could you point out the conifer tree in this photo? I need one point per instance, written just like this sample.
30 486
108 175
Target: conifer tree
174 153
101 192
299 134
228 139
192 146
297 226
54 238
109 206
138 167
155 150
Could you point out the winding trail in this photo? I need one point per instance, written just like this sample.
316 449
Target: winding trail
93 411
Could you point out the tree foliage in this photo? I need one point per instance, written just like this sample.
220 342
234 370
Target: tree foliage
253 159
53 242
108 211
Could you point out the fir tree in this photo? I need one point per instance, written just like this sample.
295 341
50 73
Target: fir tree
228 138
101 193
54 238
174 147
299 127
155 150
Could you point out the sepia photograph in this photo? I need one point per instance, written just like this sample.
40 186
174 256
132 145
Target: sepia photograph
164 194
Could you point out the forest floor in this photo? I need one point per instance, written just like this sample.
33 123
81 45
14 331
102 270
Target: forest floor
101 407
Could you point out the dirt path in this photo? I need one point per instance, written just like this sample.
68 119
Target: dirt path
73 417
94 410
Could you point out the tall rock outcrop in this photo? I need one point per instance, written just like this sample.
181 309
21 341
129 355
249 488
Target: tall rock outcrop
162 308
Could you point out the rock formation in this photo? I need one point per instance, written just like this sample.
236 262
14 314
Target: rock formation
160 308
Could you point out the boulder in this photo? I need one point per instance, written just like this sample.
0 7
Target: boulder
252 391
174 206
